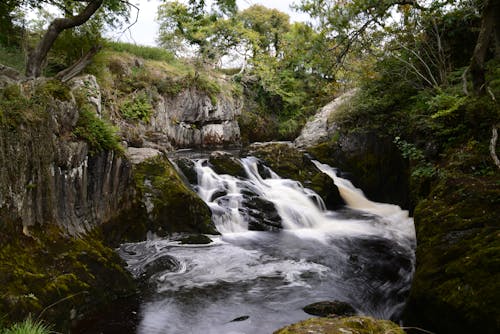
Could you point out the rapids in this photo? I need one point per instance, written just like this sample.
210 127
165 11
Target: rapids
362 254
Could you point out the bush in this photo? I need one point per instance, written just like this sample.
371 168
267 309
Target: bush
138 109
100 135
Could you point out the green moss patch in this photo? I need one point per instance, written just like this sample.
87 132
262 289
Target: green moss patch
353 325
48 274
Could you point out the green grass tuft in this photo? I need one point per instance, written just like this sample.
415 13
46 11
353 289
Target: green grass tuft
28 326
145 52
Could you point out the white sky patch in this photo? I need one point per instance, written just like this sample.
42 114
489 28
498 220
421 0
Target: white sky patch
145 31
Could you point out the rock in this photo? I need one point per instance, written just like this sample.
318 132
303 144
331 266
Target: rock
9 76
352 325
372 163
458 273
330 308
261 214
320 129
196 239
136 155
88 87
158 265
242 318
186 166
226 163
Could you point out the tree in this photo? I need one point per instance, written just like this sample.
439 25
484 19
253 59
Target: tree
75 13
211 31
489 33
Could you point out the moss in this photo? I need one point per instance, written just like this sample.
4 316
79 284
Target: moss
225 163
66 273
54 88
354 325
458 268
163 204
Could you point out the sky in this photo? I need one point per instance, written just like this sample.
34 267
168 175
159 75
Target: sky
145 31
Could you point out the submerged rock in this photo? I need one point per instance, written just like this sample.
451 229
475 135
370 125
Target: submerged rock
329 308
195 239
353 325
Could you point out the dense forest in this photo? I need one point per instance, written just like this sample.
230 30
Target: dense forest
425 77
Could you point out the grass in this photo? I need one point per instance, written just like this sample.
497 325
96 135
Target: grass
28 326
145 52
12 57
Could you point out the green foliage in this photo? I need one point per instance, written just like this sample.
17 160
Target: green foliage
145 52
100 135
12 56
137 109
28 326
445 104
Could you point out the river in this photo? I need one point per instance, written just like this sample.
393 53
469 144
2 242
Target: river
258 281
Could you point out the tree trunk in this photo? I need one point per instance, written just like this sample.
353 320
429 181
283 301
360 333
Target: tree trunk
489 19
37 56
75 69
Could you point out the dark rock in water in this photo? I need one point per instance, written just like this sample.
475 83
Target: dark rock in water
261 214
163 263
197 239
326 308
186 166
242 318
225 163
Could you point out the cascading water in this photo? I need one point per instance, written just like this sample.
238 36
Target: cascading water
363 255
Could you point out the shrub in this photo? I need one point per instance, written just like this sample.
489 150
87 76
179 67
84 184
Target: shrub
100 135
138 109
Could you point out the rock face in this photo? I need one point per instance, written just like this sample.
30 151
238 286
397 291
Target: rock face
194 119
373 163
320 129
60 202
357 325
458 272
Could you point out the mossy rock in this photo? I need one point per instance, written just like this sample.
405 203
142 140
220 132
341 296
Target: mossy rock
458 264
288 162
170 204
353 325
226 163
56 277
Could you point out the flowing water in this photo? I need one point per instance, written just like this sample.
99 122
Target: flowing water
362 254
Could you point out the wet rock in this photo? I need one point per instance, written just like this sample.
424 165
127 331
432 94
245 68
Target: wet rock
226 163
261 214
329 308
186 166
195 239
353 325
242 318
158 265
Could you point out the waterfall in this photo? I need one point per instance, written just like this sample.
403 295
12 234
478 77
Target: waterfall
279 250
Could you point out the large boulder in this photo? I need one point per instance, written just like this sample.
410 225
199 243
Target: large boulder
457 276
